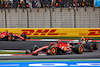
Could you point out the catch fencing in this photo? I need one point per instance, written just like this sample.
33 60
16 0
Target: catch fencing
50 18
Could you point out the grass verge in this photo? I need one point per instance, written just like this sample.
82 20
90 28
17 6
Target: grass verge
7 52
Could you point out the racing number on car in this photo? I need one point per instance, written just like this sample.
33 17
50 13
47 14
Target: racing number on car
94 32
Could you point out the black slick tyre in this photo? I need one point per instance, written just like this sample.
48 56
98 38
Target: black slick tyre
33 49
23 35
53 50
78 49
91 47
95 45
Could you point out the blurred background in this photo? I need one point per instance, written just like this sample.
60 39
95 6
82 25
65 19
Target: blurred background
49 14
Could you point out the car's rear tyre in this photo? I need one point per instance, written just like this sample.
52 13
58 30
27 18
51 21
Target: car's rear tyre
23 35
89 46
53 50
78 49
95 45
33 49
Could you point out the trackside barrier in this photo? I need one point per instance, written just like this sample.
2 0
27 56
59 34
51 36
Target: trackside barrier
56 32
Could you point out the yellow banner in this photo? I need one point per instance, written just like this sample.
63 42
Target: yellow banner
55 32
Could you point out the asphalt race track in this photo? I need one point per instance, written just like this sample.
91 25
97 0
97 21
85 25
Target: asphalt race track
21 44
86 55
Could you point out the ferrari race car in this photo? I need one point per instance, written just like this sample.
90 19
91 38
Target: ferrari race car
62 48
57 48
5 36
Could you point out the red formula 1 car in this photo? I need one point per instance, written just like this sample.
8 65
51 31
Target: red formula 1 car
57 48
5 36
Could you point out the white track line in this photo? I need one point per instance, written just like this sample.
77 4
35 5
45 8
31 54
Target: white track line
6 54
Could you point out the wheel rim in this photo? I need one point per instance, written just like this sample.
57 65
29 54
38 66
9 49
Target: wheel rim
92 47
53 50
81 49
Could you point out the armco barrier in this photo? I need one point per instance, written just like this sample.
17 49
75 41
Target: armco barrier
56 32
